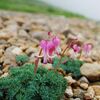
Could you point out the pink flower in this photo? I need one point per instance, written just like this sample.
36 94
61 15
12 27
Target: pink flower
76 48
56 41
43 45
87 48
50 48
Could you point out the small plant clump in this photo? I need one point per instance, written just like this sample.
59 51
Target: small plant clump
21 59
69 65
23 84
31 82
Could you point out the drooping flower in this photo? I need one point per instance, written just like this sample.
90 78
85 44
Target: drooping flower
87 48
43 45
56 42
50 48
76 49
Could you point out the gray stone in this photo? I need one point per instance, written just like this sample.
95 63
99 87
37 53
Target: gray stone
83 80
78 93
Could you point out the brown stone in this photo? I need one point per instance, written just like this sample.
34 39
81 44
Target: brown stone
1 52
89 95
96 89
91 71
4 35
84 85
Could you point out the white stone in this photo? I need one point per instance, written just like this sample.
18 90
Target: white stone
17 51
70 79
69 91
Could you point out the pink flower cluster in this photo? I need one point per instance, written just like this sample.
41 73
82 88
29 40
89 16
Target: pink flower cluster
50 48
85 48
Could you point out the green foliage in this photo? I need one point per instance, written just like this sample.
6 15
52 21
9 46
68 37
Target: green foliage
69 65
21 59
23 84
35 6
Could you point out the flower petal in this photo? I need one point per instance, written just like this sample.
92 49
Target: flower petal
43 44
50 47
56 41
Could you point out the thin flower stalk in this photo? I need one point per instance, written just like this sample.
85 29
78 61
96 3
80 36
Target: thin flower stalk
67 48
37 61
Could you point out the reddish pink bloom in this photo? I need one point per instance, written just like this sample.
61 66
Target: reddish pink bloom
76 48
50 48
87 48
56 42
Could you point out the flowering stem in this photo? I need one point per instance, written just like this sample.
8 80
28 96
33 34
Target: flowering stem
64 50
63 54
37 61
67 48
80 54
